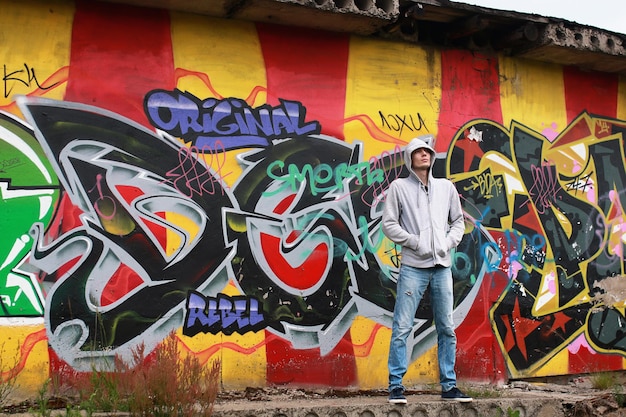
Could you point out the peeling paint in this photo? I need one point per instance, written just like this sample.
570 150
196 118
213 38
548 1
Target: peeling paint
612 292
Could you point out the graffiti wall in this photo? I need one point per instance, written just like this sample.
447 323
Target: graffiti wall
165 172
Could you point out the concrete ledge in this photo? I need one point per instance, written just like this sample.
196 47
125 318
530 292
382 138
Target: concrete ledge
418 406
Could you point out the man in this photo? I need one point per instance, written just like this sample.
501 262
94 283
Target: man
423 215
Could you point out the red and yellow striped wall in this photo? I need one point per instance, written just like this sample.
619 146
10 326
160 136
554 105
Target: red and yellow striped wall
378 92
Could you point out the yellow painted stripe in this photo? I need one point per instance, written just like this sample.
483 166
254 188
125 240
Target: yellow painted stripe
24 346
226 51
36 39
621 98
532 93
424 370
371 345
371 349
392 95
533 96
219 58
222 58
244 360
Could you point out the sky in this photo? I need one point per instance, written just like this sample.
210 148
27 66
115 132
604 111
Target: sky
603 14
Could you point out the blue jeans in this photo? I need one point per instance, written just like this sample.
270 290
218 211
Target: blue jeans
412 283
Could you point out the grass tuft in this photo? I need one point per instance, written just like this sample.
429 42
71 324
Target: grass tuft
482 391
603 380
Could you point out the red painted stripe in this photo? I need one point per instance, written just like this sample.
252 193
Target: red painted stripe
593 92
470 90
119 53
310 67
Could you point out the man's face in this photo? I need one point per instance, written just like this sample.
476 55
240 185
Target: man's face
420 159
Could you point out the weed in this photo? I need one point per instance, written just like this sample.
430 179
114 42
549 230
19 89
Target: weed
499 412
165 385
74 411
160 384
42 400
100 391
603 380
620 397
7 379
512 413
50 398
482 391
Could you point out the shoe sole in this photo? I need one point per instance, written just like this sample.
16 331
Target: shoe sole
460 400
397 401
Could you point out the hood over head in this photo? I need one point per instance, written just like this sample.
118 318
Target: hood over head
423 141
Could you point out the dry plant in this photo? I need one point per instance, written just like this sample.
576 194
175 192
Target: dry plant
160 384
166 385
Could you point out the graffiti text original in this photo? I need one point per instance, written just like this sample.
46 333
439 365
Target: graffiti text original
231 121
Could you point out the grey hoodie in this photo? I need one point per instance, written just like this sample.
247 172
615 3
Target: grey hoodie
426 222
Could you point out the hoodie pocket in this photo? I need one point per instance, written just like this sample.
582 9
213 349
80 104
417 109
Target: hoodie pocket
441 243
423 247
425 241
